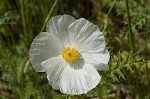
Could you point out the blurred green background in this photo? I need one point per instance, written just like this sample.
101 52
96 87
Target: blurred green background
125 24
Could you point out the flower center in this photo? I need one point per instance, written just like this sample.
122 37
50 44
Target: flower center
70 54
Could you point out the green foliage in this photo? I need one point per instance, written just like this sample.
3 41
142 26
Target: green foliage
22 20
17 76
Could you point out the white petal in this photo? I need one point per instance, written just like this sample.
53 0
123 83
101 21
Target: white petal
54 68
44 46
79 81
58 25
98 60
85 36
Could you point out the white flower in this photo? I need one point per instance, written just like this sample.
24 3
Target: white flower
70 52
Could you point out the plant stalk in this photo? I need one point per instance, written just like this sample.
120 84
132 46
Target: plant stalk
130 35
23 17
48 16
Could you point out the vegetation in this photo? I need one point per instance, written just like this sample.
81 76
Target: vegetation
125 24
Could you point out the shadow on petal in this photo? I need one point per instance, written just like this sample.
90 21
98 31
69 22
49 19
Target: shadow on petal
78 64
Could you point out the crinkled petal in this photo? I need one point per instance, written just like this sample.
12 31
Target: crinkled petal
44 46
79 81
85 36
98 60
54 68
58 25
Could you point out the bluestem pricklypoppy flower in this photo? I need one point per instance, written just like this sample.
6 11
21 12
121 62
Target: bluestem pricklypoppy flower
70 52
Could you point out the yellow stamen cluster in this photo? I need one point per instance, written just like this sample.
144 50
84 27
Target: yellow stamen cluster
70 54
